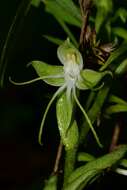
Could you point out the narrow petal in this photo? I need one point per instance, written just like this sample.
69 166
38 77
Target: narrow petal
47 109
87 118
34 80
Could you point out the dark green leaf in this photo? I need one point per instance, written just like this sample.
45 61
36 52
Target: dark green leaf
116 109
114 99
122 68
104 7
85 157
35 3
93 168
54 40
122 13
64 10
18 21
67 31
121 32
123 163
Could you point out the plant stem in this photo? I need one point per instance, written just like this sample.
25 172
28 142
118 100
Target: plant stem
94 111
58 156
115 137
90 100
70 159
85 6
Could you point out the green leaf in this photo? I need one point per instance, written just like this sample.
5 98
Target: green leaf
82 181
17 23
51 184
85 157
114 99
90 78
71 7
122 68
51 71
67 31
122 13
68 129
116 109
123 163
54 40
64 10
84 174
106 5
104 8
35 3
121 32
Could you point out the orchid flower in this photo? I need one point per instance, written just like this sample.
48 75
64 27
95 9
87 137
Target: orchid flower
70 78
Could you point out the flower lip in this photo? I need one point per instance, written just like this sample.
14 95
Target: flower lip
71 69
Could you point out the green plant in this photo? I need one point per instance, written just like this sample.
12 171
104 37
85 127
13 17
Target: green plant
89 65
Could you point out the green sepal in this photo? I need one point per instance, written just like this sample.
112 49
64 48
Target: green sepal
68 48
90 78
53 73
68 129
51 183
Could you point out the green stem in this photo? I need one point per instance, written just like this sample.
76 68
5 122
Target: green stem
70 159
90 100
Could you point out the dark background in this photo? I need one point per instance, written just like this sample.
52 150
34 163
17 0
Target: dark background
23 163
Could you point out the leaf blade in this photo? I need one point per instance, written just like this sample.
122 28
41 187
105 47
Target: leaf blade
93 168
